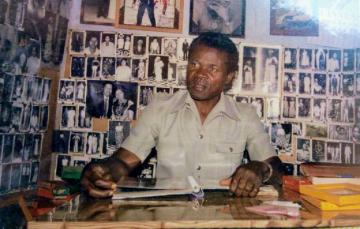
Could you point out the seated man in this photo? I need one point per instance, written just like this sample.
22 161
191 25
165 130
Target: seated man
200 132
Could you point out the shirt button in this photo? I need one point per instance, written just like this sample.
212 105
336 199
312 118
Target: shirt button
198 168
201 136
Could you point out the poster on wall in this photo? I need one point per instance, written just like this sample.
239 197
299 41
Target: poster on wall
165 15
98 12
294 18
224 16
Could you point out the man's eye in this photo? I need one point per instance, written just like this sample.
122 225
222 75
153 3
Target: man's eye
213 69
193 64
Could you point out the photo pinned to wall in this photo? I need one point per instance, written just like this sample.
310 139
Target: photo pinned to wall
5 120
37 86
357 83
225 16
290 58
68 117
295 18
306 59
26 116
158 69
77 142
358 59
8 148
348 60
273 108
316 130
163 91
305 86
297 128
37 138
33 61
77 66
146 95
318 150
93 67
46 91
334 110
108 67
155 45
334 84
319 84
242 99
357 154
151 15
99 98
61 161
319 110
60 141
9 81
183 48
290 83
333 152
289 106
16 113
84 120
77 42
118 132
35 119
181 74
28 147
17 90
5 178
281 137
93 144
321 57
259 105
123 44
304 108
347 153
92 43
107 47
171 74
348 110
357 110
170 48
18 148
124 107
80 91
139 69
348 85
66 92
44 118
79 161
303 150
25 175
334 61
123 69
98 12
140 45
340 132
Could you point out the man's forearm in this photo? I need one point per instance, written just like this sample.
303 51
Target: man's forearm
276 170
128 159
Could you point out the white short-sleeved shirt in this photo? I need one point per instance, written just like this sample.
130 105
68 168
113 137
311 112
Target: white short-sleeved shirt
212 150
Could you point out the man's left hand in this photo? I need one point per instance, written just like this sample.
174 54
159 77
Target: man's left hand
247 179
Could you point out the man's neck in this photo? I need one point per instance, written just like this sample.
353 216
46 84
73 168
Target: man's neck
205 107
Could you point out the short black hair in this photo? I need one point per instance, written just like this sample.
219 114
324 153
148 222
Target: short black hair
222 43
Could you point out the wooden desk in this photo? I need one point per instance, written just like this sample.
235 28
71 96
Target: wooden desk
218 209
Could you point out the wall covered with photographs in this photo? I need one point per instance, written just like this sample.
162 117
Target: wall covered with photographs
302 77
32 38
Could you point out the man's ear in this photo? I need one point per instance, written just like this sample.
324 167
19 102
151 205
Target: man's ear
229 79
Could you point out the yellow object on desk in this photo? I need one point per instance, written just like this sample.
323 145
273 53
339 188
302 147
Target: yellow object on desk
327 206
339 194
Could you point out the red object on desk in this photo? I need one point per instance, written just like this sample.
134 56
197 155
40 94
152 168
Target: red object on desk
294 182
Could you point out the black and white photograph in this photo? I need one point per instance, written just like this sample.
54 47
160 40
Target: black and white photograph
270 69
248 73
295 18
155 45
118 132
25 118
66 91
334 61
319 85
348 60
146 95
68 117
78 161
289 107
334 84
93 143
183 48
347 110
77 43
33 61
60 141
305 83
139 45
320 59
80 91
318 151
304 108
316 131
93 67
5 177
357 80
333 152
347 153
339 132
25 175
61 162
303 150
5 117
319 110
108 67
37 147
305 59
357 110
77 142
272 108
290 58
46 91
170 48
27 89
9 81
259 105
98 12
2 84
334 110
124 103
290 82
162 91
181 74
139 68
356 133
123 45
28 151
18 148
357 154
37 86
99 98
16 113
77 66
17 90
8 148
123 70
44 118
224 16
158 68
281 137
35 119
84 120
92 43
171 74
107 47
242 99
348 85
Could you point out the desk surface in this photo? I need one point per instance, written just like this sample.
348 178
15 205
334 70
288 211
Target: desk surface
218 209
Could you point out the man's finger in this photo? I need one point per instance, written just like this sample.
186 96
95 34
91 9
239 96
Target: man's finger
248 189
225 182
254 192
100 183
97 193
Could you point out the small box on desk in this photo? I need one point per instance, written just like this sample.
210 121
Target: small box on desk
294 182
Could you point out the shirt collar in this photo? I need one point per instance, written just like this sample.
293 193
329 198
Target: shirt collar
224 106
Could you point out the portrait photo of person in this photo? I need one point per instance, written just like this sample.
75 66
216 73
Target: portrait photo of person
93 143
44 118
17 90
171 74
139 69
16 113
155 45
170 47
305 80
146 95
321 59
35 119
77 67
107 47
77 43
61 161
305 59
98 12
108 65
347 110
319 110
9 81
224 16
18 148
80 91
123 45
84 120
334 60
46 91
93 67
281 137
123 69
15 176
347 155
124 103
272 108
36 88
37 147
304 107
183 48
68 117
334 83
33 61
139 45
99 98
319 85
333 152
92 43
29 144
60 141
348 60
8 148
270 66
339 132
348 85
77 142
25 174
290 83
118 132
289 107
303 150
158 68
334 111
66 91
248 72
318 151
290 58
258 104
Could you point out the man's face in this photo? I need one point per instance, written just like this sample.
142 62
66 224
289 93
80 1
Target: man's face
107 39
93 42
107 89
207 73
